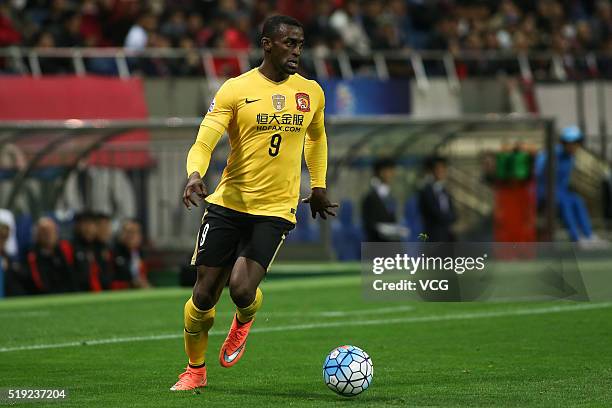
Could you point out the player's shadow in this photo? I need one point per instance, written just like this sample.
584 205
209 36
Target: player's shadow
318 396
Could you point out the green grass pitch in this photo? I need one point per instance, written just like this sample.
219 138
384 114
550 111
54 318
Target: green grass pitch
125 349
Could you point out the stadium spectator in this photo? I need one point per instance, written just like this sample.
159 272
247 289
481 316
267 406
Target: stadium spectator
571 206
236 37
175 27
445 35
191 64
137 38
57 12
50 65
370 20
602 21
436 203
437 25
302 10
347 21
196 30
9 34
87 269
102 248
351 25
4 259
10 245
605 63
91 25
378 208
129 266
319 30
69 35
50 261
397 11
11 279
157 65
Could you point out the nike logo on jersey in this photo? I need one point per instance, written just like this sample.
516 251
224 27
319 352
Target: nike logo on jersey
252 100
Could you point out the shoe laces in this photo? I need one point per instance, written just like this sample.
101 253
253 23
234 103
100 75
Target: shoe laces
185 375
238 337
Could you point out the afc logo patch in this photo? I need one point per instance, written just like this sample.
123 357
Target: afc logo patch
302 101
212 106
278 102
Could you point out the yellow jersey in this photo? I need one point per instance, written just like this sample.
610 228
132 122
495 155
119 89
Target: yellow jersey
269 125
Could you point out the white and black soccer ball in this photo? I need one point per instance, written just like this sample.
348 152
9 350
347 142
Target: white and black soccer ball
348 371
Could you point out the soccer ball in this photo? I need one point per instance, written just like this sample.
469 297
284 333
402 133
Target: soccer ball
348 371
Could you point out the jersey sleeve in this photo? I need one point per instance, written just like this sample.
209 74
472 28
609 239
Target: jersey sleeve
200 153
222 109
315 146
318 119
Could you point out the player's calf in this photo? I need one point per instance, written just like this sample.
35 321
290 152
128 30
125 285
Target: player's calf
234 345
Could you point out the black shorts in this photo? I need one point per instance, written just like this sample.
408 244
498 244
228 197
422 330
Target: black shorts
227 234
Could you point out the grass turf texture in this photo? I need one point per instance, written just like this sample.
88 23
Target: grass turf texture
424 354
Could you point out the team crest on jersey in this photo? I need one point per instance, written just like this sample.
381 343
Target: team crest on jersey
302 100
212 106
278 102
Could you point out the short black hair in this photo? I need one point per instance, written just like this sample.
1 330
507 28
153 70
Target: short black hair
272 24
383 163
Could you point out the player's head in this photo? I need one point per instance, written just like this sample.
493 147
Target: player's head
384 169
571 138
131 234
282 39
437 166
147 20
104 228
85 226
45 233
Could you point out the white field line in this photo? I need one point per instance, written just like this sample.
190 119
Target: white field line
324 325
265 314
18 314
339 313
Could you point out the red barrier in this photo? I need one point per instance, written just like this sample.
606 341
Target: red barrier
69 97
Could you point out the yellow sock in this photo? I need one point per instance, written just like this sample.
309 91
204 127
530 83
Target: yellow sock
245 314
197 324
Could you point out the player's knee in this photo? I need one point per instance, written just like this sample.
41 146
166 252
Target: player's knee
242 294
203 298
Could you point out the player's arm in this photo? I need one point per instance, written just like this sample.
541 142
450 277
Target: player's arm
315 154
198 160
213 126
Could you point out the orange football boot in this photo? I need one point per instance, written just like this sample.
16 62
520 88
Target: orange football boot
191 379
235 342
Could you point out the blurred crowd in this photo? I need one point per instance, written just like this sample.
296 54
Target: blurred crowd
359 26
91 260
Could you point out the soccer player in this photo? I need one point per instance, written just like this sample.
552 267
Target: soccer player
271 115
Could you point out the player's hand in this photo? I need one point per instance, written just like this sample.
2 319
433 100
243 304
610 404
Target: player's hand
194 185
319 203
